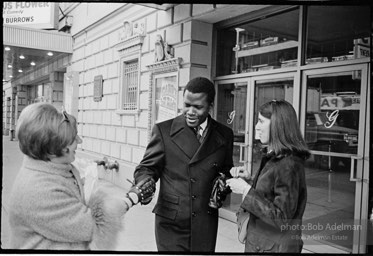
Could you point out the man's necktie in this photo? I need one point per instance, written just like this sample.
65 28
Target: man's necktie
198 134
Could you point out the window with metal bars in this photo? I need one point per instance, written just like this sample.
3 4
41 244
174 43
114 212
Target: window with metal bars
130 85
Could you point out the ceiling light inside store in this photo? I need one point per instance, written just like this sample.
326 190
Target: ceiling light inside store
21 57
10 66
32 63
50 53
7 48
20 70
10 76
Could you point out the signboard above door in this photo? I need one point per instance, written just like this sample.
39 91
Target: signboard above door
39 15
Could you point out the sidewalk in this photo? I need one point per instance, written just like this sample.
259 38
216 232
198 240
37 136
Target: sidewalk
138 234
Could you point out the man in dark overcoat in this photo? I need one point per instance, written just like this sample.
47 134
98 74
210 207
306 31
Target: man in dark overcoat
186 154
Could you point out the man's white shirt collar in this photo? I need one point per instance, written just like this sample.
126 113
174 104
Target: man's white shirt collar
203 126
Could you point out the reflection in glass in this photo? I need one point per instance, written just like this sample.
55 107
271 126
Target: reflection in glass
231 111
337 33
265 91
332 124
260 44
332 119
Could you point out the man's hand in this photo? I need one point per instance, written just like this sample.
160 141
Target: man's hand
144 190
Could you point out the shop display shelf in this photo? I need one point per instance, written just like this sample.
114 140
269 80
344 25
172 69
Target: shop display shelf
267 49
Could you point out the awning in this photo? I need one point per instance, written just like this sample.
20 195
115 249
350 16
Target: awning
37 39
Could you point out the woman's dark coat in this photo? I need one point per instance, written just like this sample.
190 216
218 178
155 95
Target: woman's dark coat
276 203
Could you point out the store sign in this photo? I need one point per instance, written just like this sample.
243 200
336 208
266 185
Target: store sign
340 102
331 118
40 15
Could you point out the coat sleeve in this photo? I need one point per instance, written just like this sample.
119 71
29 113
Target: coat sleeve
60 216
280 210
153 160
56 213
107 211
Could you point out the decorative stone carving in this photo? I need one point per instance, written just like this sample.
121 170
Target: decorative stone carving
131 38
165 66
132 29
158 49
168 51
127 30
162 51
138 29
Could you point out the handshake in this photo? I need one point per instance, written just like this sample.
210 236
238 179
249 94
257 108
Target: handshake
142 192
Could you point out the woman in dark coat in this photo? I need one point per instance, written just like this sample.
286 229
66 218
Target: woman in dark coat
276 197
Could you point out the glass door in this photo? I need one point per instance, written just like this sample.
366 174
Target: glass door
264 89
231 109
333 119
237 103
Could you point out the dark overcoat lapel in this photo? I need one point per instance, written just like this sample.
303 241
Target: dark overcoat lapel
184 138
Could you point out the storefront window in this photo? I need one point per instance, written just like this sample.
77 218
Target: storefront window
337 33
265 91
262 44
332 119
231 111
43 93
332 124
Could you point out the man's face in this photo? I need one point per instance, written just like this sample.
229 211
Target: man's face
196 108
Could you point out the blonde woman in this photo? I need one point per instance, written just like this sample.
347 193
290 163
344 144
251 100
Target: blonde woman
47 206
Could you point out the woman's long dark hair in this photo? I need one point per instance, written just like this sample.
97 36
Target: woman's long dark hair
285 137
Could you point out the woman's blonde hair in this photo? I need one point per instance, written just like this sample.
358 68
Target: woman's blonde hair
43 131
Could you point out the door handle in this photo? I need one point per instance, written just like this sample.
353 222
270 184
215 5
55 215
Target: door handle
353 158
242 156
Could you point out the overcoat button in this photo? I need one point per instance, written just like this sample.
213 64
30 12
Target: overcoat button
192 180
194 214
194 197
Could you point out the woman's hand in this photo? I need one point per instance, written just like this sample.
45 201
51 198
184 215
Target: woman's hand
131 199
240 172
238 185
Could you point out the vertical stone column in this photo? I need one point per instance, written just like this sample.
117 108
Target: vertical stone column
19 102
7 115
201 49
5 112
56 91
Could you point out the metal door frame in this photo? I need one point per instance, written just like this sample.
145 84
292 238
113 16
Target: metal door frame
362 156
249 126
252 85
224 213
231 81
